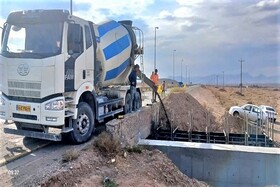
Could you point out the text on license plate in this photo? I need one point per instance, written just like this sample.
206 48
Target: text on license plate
23 108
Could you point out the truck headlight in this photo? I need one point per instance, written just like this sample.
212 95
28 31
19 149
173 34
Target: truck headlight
55 105
2 101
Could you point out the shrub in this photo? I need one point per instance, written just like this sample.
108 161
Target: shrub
109 183
107 144
70 155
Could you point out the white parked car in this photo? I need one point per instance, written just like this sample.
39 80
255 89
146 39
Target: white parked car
270 111
253 112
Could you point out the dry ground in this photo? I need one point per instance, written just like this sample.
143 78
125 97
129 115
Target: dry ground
257 96
139 167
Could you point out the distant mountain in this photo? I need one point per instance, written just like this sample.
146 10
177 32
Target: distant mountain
232 79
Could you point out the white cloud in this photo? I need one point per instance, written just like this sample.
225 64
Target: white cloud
183 12
114 8
268 3
189 2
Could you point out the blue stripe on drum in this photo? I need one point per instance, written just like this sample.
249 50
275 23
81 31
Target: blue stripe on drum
113 73
116 47
103 29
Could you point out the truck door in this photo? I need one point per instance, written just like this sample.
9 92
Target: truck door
75 64
89 52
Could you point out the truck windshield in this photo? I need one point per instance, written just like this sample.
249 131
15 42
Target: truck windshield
32 40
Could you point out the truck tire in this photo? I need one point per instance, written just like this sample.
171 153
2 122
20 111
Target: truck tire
127 103
83 126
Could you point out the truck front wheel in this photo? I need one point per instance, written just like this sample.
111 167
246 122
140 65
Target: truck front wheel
83 126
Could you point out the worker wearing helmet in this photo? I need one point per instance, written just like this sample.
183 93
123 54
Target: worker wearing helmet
133 81
154 78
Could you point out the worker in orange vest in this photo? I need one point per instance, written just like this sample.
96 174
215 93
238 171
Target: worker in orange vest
154 78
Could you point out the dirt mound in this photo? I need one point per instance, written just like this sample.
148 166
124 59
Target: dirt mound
184 111
149 168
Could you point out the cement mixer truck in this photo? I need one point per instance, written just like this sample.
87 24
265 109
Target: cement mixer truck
60 75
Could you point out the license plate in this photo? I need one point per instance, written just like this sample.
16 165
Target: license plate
23 108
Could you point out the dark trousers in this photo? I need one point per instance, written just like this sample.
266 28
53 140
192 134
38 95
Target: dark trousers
154 97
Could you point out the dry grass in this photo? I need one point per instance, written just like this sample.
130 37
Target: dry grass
107 144
134 149
70 155
178 90
256 96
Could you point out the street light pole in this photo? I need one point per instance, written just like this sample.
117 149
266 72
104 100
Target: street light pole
155 48
223 80
174 63
182 70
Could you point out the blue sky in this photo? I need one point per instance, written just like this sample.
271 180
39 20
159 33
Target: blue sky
209 35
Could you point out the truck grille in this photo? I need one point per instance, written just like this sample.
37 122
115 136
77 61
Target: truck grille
24 89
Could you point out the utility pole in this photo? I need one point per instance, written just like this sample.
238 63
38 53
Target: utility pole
223 80
217 80
155 48
241 85
174 63
71 9
182 70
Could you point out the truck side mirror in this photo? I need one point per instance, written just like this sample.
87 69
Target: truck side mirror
3 31
75 38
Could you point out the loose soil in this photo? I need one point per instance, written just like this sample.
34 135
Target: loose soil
149 168
185 112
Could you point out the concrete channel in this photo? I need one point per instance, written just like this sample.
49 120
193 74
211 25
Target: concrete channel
223 165
217 164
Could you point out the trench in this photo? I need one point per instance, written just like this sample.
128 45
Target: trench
222 164
220 158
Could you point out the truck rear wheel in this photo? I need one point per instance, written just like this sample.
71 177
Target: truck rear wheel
83 126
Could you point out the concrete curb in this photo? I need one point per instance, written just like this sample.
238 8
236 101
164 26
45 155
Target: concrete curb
17 156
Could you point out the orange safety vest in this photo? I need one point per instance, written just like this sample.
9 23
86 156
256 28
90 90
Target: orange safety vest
154 78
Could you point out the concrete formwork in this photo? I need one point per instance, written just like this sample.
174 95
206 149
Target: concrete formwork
223 165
